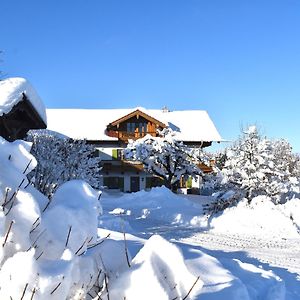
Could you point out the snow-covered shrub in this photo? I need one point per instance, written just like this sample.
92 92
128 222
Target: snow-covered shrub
222 200
61 159
44 255
288 165
165 157
258 166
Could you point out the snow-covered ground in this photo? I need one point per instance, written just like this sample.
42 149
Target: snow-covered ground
246 252
145 245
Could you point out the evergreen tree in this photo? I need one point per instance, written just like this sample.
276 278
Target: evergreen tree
258 166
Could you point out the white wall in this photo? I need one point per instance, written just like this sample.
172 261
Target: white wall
105 153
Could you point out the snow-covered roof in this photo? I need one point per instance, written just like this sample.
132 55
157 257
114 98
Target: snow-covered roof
11 93
191 125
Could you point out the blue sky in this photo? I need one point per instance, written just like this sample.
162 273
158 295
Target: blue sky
237 59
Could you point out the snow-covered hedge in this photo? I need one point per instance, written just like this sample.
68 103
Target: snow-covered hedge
61 159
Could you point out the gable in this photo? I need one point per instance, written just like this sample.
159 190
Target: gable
133 126
136 115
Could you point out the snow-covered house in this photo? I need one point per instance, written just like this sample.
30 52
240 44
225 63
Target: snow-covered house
110 129
21 109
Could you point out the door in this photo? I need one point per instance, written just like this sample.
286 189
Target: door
134 183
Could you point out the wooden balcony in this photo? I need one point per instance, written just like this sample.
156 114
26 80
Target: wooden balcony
125 136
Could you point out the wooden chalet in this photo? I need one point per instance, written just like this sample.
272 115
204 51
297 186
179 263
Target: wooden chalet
110 129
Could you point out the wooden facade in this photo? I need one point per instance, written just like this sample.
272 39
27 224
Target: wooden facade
134 126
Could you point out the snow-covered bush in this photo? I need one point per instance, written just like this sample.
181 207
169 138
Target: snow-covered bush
61 159
44 255
256 166
165 157
222 200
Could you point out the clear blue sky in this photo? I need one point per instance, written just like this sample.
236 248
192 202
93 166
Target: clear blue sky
237 59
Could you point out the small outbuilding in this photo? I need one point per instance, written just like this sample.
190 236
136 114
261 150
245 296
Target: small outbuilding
21 109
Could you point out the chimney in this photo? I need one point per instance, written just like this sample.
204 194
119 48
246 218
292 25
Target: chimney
165 109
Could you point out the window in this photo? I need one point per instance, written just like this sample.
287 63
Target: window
117 154
141 127
153 182
131 127
96 153
114 182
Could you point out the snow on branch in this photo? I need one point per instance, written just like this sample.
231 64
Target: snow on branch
165 157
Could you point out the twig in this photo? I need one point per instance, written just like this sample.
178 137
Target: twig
53 291
99 296
126 250
21 184
69 232
24 291
26 186
36 239
106 286
99 243
6 194
33 292
185 297
10 208
11 198
49 201
99 273
8 231
81 246
27 166
34 228
40 255
90 240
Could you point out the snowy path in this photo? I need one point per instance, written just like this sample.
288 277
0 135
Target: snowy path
283 253
281 256
246 263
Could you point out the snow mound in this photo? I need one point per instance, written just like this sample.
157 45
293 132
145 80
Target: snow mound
71 218
15 163
291 209
161 265
11 93
159 205
261 217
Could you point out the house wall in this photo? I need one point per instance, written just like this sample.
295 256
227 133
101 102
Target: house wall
106 153
197 183
127 179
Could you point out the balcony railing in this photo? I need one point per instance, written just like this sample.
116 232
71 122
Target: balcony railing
124 135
